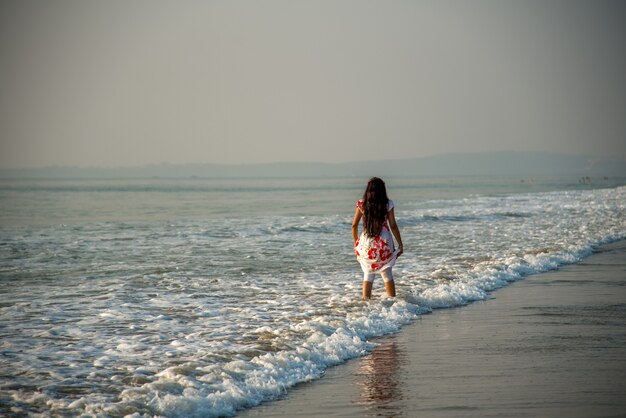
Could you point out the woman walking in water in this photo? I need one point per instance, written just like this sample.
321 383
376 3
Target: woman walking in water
375 248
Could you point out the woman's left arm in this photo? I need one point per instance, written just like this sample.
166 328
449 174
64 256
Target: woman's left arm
396 231
355 226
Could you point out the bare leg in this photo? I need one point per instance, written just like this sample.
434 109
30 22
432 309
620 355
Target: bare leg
367 290
390 287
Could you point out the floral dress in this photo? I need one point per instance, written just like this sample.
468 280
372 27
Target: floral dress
378 253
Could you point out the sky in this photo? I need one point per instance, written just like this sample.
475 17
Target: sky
133 82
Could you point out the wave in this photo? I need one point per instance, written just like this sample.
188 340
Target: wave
207 317
448 218
223 389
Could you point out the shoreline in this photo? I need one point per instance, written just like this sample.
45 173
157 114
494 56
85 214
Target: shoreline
552 344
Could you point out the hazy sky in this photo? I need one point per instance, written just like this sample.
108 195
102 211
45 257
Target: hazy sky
134 82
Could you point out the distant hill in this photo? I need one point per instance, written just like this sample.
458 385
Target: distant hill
510 164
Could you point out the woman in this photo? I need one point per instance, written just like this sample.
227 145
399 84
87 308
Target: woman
375 248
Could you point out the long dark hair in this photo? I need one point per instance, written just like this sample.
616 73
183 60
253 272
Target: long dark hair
374 206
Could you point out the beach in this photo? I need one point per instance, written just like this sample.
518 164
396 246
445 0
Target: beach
206 297
550 345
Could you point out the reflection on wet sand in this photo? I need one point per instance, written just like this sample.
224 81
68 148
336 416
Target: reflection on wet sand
378 380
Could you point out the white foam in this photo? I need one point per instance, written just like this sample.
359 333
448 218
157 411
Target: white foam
176 330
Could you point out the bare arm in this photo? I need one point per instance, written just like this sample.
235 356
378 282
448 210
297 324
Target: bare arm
391 217
355 226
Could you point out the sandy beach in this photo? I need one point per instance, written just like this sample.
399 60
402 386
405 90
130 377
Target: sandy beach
551 345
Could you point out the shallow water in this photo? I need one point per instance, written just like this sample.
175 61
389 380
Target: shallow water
202 297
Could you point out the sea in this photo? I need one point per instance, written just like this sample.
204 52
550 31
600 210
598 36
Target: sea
201 297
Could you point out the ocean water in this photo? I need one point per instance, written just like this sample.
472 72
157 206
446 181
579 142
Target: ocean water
201 297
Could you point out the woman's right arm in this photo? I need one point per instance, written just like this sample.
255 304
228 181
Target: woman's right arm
355 226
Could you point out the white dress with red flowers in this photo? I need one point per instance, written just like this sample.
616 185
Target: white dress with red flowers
378 253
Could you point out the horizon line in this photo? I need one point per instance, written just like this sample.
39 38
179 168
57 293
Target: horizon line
294 162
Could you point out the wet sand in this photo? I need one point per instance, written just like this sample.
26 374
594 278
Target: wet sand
551 345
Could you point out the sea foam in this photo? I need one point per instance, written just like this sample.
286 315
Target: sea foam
205 317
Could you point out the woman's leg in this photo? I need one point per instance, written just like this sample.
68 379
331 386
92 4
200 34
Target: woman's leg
390 285
368 281
367 290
